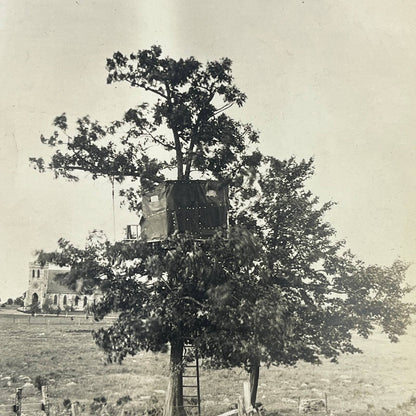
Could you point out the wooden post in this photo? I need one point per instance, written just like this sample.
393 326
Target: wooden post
74 409
45 400
240 406
246 397
18 401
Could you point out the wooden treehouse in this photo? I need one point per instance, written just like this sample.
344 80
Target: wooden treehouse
199 208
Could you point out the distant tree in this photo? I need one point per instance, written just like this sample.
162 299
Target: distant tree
19 301
10 301
279 289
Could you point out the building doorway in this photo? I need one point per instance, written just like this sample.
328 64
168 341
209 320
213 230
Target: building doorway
35 299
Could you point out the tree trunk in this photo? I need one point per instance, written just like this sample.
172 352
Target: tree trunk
179 155
174 395
254 382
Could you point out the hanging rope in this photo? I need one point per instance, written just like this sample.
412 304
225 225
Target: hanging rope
114 208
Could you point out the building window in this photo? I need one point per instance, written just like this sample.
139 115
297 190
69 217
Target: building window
64 300
33 273
38 273
55 300
76 300
85 301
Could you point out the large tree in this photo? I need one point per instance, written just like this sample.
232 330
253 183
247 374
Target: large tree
278 289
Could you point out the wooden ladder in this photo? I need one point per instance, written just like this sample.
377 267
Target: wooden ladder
190 381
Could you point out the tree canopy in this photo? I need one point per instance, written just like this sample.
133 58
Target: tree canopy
279 289
190 100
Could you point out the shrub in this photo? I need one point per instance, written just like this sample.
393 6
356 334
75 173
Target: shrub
47 308
123 400
19 301
98 404
35 308
40 381
67 403
153 407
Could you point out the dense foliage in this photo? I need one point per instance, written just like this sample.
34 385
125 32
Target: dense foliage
279 289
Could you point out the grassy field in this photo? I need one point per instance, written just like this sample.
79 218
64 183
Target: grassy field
60 350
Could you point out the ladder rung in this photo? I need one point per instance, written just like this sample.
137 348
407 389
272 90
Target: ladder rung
191 398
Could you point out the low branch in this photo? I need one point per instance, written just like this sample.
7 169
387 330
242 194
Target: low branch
99 171
193 300
223 108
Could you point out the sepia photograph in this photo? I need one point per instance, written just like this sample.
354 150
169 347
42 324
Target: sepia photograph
208 208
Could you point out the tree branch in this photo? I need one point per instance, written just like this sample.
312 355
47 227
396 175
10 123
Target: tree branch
194 134
223 108
99 171
136 84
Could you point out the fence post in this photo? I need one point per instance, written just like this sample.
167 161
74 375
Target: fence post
18 401
45 400
74 409
240 406
246 396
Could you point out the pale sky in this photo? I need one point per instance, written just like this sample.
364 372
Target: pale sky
335 80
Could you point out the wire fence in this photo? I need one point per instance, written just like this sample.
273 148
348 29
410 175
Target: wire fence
54 320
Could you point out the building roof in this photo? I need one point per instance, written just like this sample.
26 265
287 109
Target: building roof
54 286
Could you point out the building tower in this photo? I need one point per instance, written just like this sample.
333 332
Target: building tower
38 284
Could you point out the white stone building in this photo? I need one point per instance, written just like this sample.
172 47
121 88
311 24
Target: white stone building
45 289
